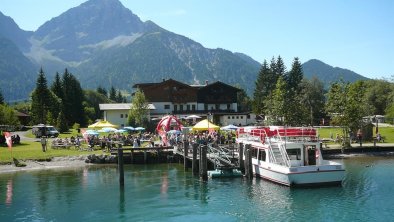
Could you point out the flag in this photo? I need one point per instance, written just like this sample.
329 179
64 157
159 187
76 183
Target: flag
8 139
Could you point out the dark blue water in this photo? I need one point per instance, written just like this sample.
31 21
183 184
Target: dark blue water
167 193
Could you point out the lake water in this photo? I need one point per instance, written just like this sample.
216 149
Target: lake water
166 193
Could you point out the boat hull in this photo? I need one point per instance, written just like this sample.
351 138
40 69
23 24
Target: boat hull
311 176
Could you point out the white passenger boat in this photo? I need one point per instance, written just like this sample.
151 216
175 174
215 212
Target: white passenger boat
289 156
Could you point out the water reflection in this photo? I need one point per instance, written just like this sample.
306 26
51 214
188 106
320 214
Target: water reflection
166 192
9 192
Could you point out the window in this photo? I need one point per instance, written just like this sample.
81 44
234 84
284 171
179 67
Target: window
242 117
193 107
232 117
126 115
237 117
166 106
175 107
228 117
217 106
228 106
294 154
206 106
262 155
121 115
181 107
187 107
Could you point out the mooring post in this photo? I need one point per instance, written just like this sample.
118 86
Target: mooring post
185 153
120 165
132 156
248 162
145 157
241 157
204 166
194 160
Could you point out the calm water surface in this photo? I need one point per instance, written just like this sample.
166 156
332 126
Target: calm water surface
167 193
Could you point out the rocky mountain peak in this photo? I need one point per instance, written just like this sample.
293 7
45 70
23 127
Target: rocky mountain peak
73 35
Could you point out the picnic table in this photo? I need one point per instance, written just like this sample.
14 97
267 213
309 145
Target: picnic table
60 144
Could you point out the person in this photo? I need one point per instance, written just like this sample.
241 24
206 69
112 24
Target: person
360 136
152 141
44 144
378 137
135 143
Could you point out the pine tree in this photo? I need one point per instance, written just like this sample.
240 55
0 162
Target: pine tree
294 77
112 94
56 86
40 99
1 98
102 91
119 97
73 100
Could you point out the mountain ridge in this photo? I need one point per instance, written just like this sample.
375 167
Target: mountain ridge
104 44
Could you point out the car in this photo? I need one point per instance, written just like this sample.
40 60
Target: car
44 130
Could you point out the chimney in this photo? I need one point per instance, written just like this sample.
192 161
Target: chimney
206 82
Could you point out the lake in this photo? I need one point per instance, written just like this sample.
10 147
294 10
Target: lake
165 192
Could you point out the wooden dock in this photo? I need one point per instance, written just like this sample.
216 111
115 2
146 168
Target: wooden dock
144 155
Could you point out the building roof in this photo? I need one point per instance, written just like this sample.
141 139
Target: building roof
121 106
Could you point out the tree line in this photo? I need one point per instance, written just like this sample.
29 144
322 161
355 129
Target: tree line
286 98
281 97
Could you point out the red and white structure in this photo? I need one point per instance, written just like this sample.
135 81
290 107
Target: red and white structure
290 156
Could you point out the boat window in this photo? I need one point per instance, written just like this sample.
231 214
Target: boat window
262 155
254 153
294 154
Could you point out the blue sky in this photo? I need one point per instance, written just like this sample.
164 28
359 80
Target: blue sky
352 34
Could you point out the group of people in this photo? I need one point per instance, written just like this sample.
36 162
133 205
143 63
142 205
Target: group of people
202 137
109 141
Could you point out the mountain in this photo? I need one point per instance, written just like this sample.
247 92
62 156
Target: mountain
104 44
328 74
10 30
15 69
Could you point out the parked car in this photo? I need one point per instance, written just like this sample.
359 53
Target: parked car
44 130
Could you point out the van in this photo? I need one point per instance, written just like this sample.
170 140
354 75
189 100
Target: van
44 130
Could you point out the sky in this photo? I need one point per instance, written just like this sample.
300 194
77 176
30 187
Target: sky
354 34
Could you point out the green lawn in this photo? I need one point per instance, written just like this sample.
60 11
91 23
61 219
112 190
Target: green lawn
386 132
33 151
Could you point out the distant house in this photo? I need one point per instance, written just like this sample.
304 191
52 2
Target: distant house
118 113
217 100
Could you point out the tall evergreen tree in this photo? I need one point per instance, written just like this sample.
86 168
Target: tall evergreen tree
40 99
1 98
73 100
265 84
294 77
57 87
102 91
119 97
112 94
278 67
